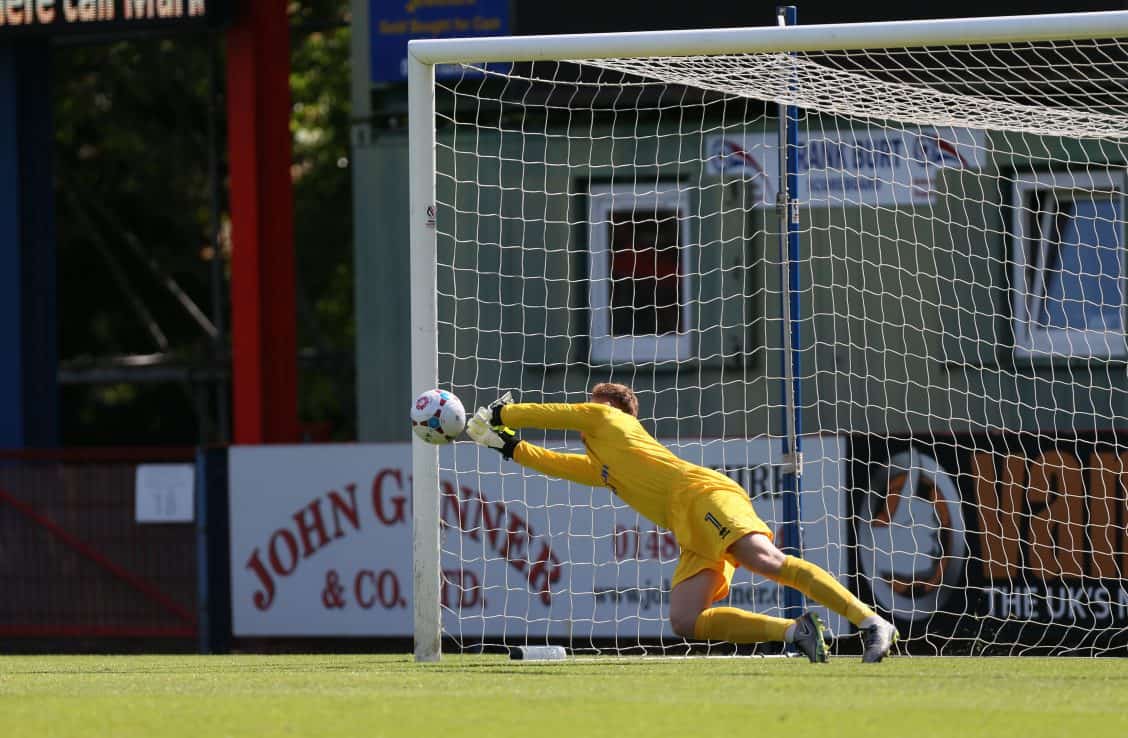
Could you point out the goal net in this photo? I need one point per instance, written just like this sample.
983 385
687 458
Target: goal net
611 215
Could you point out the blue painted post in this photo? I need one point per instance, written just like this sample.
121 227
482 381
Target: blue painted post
11 290
28 285
792 540
213 551
40 292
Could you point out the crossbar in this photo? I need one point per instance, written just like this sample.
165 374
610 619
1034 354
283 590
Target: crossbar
825 37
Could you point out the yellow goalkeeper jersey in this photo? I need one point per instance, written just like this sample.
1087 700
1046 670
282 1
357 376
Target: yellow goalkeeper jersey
621 455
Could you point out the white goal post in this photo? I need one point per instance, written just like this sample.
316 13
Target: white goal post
962 196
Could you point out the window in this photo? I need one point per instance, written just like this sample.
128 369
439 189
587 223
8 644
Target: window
1067 264
638 262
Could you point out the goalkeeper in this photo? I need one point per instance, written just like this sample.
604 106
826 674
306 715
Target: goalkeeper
710 515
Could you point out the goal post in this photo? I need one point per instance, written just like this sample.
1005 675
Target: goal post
599 208
424 359
791 444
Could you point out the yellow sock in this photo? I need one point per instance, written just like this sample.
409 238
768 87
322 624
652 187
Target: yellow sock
817 584
738 626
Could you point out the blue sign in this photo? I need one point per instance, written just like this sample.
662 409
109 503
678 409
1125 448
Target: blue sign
395 22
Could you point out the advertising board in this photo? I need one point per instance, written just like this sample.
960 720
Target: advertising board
859 166
1008 538
395 22
321 542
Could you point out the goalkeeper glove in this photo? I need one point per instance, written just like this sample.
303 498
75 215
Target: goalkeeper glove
496 406
497 437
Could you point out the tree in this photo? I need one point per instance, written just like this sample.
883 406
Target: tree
135 212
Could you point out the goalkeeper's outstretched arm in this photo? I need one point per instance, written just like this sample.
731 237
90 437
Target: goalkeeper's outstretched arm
585 416
579 468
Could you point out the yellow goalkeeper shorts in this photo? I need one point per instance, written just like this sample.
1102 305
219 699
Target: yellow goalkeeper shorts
706 522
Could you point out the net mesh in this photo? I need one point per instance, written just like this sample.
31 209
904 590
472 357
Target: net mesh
962 352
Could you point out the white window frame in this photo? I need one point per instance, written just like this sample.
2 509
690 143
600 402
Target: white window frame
603 200
1038 341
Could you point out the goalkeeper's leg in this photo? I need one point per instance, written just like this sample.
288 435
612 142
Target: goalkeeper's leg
758 554
692 617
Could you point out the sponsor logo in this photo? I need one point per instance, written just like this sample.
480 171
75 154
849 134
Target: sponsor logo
605 475
940 152
730 156
1049 516
912 540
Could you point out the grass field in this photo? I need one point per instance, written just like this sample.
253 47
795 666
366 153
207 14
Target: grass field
326 696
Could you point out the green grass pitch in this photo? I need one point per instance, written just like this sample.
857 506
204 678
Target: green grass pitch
330 695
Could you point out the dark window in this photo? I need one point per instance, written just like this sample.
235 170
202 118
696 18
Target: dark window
645 273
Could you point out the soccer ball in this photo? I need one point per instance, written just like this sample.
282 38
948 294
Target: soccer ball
437 416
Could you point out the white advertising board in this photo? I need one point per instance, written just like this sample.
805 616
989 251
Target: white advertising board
321 542
859 166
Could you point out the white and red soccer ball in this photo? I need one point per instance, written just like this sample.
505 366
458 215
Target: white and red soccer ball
437 416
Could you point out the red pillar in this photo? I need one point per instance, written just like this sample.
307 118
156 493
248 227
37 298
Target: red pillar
263 322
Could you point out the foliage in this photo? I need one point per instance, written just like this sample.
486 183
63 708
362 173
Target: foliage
319 84
131 127
133 185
